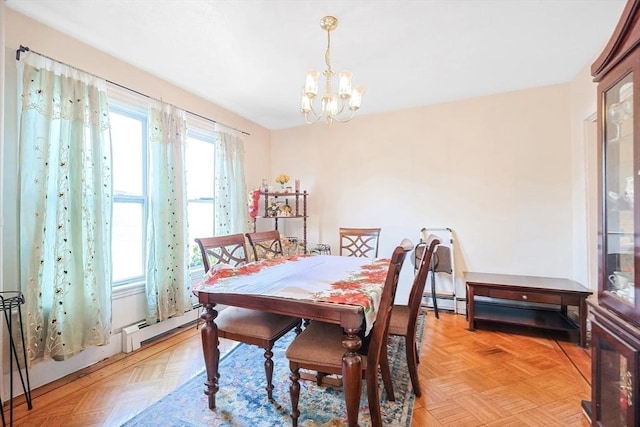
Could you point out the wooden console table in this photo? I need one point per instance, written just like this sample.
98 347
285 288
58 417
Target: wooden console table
505 289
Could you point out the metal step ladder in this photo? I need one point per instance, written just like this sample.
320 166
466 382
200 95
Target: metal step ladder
442 275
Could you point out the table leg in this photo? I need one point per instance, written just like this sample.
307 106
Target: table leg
470 304
583 321
352 374
209 333
563 310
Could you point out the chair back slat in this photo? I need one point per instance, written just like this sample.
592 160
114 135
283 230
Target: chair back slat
359 242
265 244
230 249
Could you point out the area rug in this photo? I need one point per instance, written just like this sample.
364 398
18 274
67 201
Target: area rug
242 401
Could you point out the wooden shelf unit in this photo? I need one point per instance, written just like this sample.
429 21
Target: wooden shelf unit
298 209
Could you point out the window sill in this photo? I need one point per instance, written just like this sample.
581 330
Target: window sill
127 290
124 291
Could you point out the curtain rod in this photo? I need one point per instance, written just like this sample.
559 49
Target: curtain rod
26 49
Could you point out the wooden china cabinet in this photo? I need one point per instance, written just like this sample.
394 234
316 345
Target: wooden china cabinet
615 317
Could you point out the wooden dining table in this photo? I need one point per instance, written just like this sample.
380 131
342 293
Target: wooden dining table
333 289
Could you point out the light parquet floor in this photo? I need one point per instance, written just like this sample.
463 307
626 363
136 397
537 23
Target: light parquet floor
481 378
493 378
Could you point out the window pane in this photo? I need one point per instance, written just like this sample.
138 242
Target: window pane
199 159
199 169
127 244
200 220
127 135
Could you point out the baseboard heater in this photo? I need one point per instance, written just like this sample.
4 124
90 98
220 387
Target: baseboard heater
137 333
131 337
446 302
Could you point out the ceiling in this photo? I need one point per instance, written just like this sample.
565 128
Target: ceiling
250 56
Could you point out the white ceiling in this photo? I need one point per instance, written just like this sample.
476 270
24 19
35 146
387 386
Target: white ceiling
250 56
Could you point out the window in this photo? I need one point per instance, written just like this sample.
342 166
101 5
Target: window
129 151
129 120
200 173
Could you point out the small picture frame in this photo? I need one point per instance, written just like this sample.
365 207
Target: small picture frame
284 210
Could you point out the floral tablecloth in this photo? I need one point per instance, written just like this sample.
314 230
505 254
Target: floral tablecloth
325 278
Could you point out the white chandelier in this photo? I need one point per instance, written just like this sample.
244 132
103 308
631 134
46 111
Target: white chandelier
339 106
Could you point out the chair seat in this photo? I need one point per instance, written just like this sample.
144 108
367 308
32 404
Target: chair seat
399 320
320 344
254 323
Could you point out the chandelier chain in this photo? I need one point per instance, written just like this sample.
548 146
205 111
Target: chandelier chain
327 59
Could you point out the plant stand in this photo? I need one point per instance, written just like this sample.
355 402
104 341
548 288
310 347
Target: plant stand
11 302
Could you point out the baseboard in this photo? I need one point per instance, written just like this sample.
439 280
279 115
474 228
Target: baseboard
446 303
47 371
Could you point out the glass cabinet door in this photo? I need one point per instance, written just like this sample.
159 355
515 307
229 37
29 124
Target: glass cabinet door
616 379
619 182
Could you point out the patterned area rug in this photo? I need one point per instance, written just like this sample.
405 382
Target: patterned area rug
241 400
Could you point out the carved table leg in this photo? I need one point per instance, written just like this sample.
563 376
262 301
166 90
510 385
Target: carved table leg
352 374
209 333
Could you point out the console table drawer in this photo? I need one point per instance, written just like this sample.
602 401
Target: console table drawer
482 291
526 296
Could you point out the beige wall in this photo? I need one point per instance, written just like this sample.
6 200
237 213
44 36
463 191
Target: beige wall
496 169
584 145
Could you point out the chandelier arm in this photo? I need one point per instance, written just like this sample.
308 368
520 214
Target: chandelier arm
342 105
316 115
344 120
310 122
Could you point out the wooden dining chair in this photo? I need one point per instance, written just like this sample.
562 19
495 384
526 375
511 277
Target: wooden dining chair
359 242
244 325
404 318
407 245
230 249
319 348
265 244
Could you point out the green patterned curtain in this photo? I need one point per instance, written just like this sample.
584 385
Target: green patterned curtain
65 208
231 211
168 287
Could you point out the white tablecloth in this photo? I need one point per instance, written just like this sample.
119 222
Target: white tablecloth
327 278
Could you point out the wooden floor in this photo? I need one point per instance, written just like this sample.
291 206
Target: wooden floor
481 378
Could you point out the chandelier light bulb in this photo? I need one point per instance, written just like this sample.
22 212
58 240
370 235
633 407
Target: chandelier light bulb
339 106
356 97
345 84
311 85
305 104
330 105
